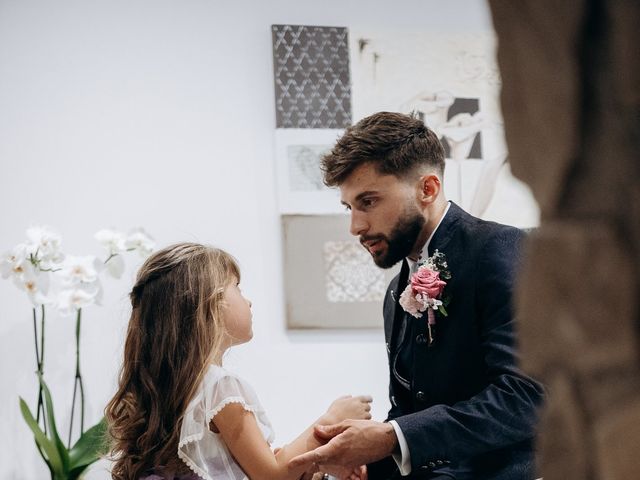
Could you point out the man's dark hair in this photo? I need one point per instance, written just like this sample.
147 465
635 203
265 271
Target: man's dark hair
395 143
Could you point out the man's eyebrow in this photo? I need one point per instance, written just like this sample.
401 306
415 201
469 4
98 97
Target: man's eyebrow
359 197
366 193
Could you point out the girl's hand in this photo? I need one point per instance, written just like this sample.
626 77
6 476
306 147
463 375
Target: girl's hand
348 407
359 473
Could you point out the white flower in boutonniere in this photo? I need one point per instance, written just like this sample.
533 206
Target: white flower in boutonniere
424 291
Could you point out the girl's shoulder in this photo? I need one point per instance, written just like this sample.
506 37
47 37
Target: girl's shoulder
219 384
214 373
219 388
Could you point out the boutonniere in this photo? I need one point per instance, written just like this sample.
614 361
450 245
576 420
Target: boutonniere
424 291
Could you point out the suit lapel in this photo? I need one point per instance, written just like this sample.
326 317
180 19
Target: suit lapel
399 325
398 312
445 229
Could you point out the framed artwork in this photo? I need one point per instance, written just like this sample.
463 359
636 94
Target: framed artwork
451 82
311 76
330 279
299 177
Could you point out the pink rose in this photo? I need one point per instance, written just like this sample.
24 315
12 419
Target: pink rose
427 281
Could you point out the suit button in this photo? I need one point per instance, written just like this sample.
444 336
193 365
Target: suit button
420 396
432 464
421 339
439 462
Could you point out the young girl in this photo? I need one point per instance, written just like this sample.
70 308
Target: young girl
178 414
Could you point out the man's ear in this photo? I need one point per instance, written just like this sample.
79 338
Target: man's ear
429 188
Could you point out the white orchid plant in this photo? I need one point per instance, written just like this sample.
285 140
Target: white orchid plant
67 284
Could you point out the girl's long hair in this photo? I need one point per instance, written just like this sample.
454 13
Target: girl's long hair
175 330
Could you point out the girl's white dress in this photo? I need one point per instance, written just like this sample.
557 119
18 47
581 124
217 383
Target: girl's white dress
204 451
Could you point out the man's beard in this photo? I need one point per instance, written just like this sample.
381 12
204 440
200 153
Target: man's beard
402 239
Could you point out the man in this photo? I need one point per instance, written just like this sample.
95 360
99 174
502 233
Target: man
460 407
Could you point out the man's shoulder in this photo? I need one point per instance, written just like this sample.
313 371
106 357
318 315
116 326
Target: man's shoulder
499 247
487 232
484 242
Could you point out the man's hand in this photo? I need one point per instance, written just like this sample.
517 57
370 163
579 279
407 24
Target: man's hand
351 443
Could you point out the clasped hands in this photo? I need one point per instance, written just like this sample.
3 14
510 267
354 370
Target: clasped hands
348 445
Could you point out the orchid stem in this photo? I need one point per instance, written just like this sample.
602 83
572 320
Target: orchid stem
35 334
42 342
73 405
77 382
40 364
78 374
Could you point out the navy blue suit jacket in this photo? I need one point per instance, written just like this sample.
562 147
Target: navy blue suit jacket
463 405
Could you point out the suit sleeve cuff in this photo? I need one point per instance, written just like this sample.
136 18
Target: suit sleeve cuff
403 460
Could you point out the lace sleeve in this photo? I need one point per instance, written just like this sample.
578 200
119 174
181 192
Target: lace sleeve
201 449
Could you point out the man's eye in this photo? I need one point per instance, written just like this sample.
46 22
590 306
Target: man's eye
368 202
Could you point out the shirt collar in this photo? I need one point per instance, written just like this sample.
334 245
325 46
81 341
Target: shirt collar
425 247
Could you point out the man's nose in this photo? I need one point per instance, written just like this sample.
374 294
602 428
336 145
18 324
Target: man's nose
358 224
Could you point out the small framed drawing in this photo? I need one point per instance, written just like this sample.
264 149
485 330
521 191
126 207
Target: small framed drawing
300 186
330 279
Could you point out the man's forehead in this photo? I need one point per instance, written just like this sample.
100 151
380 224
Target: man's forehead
359 184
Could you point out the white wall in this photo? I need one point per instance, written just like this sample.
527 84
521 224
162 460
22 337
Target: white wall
160 114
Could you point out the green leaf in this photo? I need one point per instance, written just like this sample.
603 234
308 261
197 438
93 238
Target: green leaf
51 422
48 447
442 310
76 473
89 447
